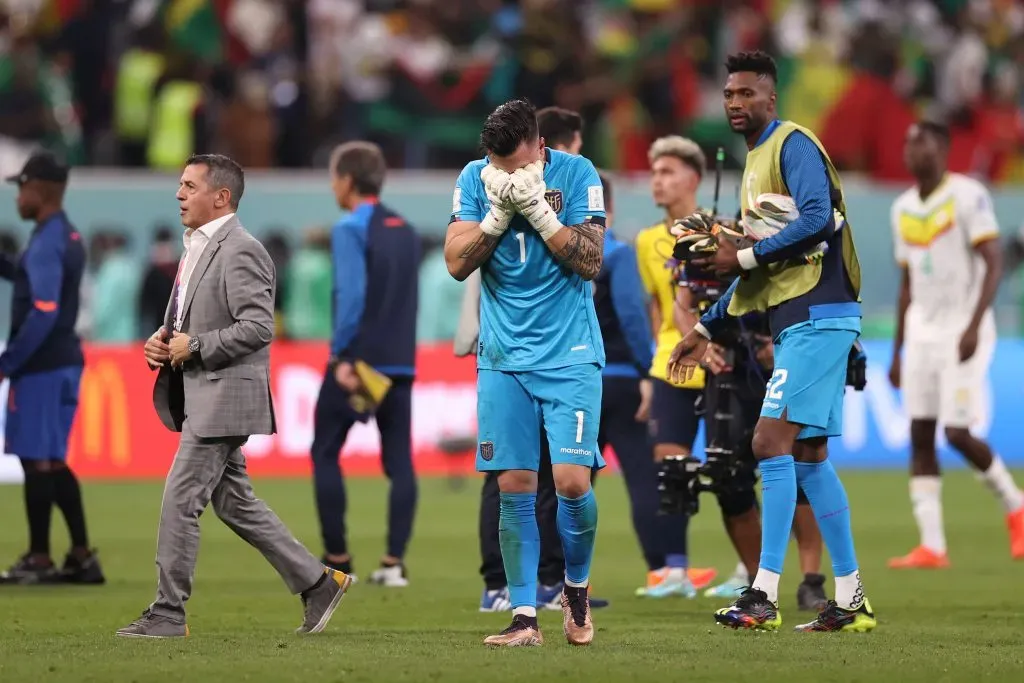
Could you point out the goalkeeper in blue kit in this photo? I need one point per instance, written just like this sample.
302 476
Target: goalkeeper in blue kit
532 219
797 261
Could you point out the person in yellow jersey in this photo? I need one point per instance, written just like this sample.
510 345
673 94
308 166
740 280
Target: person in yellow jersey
677 166
947 247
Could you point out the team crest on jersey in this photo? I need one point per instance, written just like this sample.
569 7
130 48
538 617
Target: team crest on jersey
487 450
554 198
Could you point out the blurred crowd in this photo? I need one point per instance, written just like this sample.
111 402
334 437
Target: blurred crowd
122 302
276 83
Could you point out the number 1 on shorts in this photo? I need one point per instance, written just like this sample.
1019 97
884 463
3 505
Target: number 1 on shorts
579 426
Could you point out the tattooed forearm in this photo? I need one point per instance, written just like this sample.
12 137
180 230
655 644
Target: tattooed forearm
477 251
582 249
467 250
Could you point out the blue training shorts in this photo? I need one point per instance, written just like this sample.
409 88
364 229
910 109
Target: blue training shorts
40 411
512 406
809 380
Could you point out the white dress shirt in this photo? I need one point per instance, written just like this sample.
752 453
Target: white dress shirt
195 242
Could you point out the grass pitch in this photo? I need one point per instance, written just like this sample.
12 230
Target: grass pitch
961 624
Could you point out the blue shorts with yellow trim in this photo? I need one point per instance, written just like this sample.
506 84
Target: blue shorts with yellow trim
809 380
41 409
512 407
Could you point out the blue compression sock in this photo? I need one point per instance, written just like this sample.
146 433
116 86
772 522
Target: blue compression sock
577 525
828 499
519 538
778 493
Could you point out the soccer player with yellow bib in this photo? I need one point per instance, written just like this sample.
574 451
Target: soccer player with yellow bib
677 166
805 274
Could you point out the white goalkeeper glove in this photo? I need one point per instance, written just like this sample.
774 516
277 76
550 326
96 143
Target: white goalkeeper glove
498 185
528 190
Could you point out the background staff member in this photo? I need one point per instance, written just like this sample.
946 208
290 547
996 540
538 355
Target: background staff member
44 362
376 255
626 400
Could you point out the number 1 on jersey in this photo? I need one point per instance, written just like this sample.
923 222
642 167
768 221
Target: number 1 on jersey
521 236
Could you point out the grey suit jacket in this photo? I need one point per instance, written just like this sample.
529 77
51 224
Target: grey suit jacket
229 306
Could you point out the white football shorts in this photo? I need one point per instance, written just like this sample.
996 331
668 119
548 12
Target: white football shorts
937 386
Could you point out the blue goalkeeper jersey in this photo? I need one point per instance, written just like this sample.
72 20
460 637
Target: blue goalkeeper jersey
536 314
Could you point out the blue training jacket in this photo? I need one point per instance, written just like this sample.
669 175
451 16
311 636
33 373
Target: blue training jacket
622 312
376 256
47 279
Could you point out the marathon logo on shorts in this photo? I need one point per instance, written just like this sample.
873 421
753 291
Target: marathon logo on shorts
575 451
554 199
487 450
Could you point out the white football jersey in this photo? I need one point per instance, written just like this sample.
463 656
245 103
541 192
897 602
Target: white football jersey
935 239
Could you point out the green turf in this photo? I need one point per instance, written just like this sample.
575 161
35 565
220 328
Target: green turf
961 624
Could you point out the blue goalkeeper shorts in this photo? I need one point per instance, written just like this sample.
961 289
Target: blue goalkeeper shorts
41 409
512 407
809 380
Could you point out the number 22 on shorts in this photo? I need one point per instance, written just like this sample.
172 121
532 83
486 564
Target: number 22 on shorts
779 378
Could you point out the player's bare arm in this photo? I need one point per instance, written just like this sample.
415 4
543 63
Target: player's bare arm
466 248
580 248
902 304
683 315
990 254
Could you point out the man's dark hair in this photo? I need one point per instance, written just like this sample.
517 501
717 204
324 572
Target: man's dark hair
363 162
937 129
509 126
222 172
606 187
758 61
558 126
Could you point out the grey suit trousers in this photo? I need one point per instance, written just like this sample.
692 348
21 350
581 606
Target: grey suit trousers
209 470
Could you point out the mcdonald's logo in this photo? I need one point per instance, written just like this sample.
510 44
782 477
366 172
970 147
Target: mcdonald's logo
103 411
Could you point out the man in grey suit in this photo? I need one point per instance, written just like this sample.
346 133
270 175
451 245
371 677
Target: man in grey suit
213 386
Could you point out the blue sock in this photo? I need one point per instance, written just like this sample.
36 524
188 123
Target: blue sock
778 493
520 546
828 499
577 525
674 561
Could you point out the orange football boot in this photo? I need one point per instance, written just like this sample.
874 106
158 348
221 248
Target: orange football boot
701 578
1015 523
921 558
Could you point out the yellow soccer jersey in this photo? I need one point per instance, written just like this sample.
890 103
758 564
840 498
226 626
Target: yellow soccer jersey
653 252
935 239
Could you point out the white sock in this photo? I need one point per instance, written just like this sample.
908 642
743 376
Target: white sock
769 583
1000 481
525 611
574 584
676 574
926 498
849 591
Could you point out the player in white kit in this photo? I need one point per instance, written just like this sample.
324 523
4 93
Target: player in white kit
946 242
